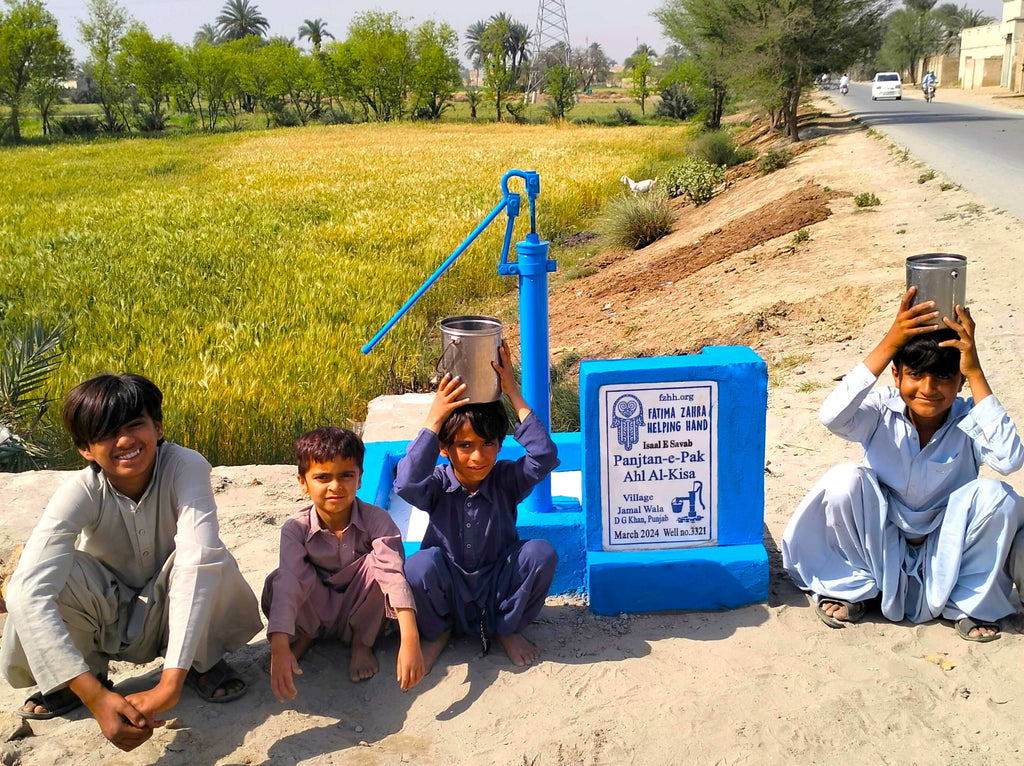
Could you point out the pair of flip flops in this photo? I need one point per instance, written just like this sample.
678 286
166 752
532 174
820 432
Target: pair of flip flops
220 676
855 610
965 625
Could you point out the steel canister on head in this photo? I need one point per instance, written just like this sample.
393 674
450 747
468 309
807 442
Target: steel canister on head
468 346
939 277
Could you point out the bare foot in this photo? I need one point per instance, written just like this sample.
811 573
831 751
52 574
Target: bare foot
362 665
834 610
432 650
519 649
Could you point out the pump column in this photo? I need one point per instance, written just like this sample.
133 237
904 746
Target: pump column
533 266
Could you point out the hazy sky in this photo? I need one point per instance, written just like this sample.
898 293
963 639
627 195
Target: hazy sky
617 25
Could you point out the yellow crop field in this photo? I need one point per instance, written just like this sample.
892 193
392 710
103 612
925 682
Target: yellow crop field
243 272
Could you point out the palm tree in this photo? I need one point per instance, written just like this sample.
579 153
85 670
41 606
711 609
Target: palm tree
475 33
240 18
315 30
26 363
207 33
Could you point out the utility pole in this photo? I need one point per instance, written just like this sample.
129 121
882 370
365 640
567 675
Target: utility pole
552 29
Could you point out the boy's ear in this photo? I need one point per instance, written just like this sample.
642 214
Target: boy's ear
896 375
86 453
302 483
444 452
159 425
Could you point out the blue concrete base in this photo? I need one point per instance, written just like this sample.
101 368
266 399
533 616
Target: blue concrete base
692 578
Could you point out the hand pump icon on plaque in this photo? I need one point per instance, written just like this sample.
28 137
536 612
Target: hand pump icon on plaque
627 417
693 498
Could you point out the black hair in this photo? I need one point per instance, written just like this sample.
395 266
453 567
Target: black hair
328 443
923 354
96 409
489 421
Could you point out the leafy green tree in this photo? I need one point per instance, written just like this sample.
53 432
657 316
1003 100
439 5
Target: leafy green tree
314 30
956 20
373 66
102 30
299 77
208 72
473 99
153 67
707 31
30 51
435 71
239 19
47 83
560 85
641 72
27 441
914 35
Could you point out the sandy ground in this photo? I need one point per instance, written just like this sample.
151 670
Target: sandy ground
765 684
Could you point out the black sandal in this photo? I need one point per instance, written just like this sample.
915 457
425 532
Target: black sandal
218 677
56 703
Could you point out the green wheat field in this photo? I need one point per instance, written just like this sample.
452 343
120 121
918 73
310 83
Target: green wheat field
243 272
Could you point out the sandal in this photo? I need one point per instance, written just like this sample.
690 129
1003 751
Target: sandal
218 677
855 610
965 625
56 703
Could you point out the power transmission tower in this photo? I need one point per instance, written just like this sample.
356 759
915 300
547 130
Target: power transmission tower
552 29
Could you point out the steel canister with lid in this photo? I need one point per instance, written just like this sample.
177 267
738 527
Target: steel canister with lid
939 277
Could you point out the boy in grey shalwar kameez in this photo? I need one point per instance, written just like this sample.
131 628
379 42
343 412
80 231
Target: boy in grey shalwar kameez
914 525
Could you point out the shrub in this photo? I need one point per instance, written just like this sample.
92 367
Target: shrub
773 160
622 116
946 186
866 199
926 176
718 148
286 118
676 103
637 220
694 178
78 126
336 116
802 235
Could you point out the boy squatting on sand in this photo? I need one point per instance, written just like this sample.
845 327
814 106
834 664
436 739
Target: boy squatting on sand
150 576
340 569
914 524
472 573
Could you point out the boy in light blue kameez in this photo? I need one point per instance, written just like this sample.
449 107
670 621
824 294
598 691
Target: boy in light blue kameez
914 525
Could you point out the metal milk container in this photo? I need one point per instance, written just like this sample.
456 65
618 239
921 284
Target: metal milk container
468 346
939 277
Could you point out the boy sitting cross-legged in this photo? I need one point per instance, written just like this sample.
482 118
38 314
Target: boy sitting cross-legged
149 575
340 570
913 525
472 573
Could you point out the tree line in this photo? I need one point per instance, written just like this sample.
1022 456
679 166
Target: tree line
384 69
771 51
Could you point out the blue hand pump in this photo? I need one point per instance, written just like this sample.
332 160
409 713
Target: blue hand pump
532 267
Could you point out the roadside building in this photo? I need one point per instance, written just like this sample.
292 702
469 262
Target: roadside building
994 54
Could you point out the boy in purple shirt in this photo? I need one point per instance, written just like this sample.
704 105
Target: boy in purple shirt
340 570
472 573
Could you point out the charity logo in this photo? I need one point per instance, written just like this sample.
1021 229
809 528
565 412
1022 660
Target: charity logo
627 417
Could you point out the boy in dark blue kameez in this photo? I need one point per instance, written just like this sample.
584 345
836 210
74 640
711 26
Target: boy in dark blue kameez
472 573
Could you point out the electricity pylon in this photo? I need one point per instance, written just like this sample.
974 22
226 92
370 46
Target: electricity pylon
552 28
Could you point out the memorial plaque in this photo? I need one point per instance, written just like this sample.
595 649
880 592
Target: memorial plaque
658 465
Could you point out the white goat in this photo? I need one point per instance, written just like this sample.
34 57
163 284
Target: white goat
639 187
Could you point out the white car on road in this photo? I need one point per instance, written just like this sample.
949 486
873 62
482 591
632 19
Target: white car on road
887 85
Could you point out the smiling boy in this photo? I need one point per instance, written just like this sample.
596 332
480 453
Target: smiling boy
149 576
913 525
340 570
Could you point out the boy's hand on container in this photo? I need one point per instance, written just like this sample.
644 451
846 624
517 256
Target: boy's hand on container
910 322
448 398
970 364
283 666
509 387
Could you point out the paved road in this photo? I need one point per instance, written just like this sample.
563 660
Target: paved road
980 149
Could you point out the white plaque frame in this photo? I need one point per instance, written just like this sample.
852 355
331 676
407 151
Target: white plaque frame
659 458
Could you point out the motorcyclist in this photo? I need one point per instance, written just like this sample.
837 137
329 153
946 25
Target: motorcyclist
844 83
929 81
